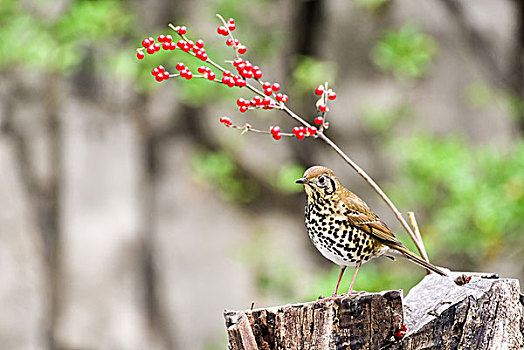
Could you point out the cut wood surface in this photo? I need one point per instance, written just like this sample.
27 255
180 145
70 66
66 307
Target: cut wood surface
482 314
439 314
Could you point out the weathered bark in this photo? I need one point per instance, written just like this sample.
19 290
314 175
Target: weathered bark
483 314
439 314
368 320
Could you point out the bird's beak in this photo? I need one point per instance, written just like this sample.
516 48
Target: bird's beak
301 181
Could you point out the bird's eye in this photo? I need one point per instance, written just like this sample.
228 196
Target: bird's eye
322 180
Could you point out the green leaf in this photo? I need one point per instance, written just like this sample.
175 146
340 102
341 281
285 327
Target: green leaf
218 170
406 53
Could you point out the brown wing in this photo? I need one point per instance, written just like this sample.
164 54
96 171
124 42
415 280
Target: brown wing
364 218
361 216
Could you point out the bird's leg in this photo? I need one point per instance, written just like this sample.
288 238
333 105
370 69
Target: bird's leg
353 280
339 278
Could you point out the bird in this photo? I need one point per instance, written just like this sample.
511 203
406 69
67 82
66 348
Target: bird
343 227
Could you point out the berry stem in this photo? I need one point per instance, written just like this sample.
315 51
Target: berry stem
235 48
297 118
414 224
260 93
319 134
324 114
373 184
216 65
418 243
248 128
209 60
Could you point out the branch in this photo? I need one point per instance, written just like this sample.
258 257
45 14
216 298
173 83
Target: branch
276 101
368 179
416 230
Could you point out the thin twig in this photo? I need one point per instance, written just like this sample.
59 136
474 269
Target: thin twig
324 114
413 221
366 177
416 230
247 127
418 242
235 48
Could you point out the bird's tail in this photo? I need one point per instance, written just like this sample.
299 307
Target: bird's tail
416 259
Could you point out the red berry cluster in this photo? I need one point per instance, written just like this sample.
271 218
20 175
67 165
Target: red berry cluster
269 97
160 73
184 71
232 80
325 95
275 132
229 27
246 70
197 48
166 42
255 102
281 97
320 91
401 332
207 73
226 30
232 42
226 121
151 47
268 88
182 30
301 132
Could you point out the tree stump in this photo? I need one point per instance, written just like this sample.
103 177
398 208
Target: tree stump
438 313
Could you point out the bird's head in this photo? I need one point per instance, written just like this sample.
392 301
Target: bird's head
319 181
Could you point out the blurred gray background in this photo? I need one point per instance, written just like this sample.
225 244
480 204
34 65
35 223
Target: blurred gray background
130 218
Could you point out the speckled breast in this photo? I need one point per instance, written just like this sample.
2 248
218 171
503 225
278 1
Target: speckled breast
334 237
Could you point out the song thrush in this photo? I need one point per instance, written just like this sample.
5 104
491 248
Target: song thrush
344 229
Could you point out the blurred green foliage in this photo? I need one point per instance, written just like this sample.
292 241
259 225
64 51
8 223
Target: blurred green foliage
472 197
381 120
481 95
406 53
374 276
258 32
371 5
288 173
274 272
219 170
57 44
310 72
472 202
